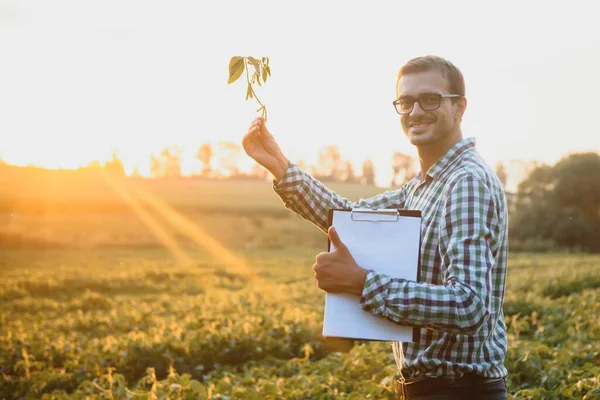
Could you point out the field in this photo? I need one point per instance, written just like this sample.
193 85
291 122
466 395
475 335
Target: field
116 289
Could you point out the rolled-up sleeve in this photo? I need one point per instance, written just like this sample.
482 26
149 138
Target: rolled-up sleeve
312 200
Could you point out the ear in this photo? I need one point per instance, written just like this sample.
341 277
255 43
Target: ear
461 106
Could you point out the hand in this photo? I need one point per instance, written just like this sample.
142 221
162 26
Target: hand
263 148
337 272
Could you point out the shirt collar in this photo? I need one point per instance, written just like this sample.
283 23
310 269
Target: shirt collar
451 155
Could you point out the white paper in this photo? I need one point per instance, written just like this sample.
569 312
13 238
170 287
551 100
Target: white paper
379 242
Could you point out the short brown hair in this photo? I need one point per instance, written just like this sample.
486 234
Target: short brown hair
435 63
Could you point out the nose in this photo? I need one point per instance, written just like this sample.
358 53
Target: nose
417 110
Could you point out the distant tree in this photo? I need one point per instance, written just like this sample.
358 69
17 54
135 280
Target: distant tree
301 164
333 153
517 171
94 165
561 203
402 168
259 172
314 171
171 160
115 166
322 168
168 164
349 176
204 155
229 155
329 163
368 172
501 173
156 167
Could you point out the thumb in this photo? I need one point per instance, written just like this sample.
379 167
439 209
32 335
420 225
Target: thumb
336 241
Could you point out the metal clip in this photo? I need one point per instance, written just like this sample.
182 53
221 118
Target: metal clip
374 215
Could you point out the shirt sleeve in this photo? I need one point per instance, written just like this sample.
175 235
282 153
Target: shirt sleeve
468 245
312 200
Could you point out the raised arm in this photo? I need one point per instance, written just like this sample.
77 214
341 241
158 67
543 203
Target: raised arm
299 191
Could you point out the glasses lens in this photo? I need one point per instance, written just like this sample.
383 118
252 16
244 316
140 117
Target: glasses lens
404 105
430 102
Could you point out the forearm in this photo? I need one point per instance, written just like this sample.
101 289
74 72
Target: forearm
312 200
468 247
453 308
280 168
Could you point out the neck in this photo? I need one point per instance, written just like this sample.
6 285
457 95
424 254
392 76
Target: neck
429 154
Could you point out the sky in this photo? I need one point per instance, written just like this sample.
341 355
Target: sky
79 79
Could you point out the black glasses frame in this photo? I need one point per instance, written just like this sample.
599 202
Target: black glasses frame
417 99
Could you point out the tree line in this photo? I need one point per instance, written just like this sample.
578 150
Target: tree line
558 206
553 206
222 162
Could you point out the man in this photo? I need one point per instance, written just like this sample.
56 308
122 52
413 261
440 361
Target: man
458 302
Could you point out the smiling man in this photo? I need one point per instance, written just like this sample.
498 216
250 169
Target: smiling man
457 303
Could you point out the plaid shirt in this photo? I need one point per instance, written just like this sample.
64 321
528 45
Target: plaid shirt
457 303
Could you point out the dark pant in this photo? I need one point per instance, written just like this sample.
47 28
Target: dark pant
431 389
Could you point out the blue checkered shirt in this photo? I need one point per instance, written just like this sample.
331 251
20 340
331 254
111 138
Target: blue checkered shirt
457 302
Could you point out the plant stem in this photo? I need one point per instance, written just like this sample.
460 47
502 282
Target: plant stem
262 106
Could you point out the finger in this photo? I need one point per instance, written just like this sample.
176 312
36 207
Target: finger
259 127
336 241
251 132
263 129
256 123
251 129
247 141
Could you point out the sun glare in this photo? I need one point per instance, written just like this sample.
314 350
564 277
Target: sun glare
57 157
135 161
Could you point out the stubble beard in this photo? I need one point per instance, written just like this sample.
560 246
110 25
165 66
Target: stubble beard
423 137
432 136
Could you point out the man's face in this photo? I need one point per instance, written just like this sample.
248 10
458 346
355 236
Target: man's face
422 127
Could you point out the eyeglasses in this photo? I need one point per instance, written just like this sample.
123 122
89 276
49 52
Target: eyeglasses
427 102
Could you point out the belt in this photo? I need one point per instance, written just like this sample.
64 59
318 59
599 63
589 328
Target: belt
426 384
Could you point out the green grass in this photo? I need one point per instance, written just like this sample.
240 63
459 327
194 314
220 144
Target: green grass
70 315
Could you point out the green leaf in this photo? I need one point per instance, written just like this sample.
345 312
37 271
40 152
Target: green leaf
198 388
268 69
236 67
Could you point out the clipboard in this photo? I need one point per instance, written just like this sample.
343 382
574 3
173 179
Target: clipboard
387 241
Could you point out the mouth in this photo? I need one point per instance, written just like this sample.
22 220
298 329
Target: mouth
419 125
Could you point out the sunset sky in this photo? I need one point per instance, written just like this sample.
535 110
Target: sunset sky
141 75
